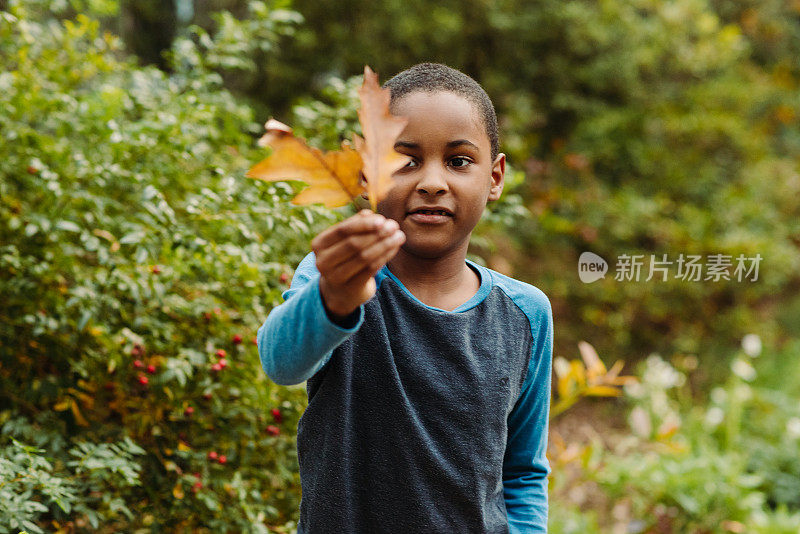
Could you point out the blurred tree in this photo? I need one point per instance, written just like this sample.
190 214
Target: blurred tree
149 27
644 127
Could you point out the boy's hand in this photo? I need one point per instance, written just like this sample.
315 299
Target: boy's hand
349 254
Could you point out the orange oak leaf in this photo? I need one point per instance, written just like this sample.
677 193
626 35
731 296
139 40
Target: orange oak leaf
381 129
333 178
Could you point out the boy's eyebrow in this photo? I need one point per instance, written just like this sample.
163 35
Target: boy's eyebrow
451 144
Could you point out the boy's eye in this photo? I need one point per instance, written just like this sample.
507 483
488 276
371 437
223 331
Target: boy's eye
460 161
412 163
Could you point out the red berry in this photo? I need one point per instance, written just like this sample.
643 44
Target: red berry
207 395
32 170
254 341
137 350
213 455
197 486
143 380
151 369
222 459
223 363
155 269
138 364
284 278
221 353
216 367
198 476
237 339
276 414
273 430
188 411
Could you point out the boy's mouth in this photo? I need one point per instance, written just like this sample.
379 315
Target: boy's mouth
432 210
430 215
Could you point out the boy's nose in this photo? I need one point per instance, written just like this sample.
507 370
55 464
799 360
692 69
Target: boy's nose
432 181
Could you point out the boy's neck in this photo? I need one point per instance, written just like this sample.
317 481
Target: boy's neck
445 282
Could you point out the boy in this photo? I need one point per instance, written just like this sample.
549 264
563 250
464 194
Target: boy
428 374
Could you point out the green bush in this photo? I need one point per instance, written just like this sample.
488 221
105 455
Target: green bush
136 264
88 486
705 465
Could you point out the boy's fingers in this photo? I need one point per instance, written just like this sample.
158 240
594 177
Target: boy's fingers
372 257
362 276
351 247
329 260
363 221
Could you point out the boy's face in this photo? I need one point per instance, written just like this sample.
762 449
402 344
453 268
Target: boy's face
451 168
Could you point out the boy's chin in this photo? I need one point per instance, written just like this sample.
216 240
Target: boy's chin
426 248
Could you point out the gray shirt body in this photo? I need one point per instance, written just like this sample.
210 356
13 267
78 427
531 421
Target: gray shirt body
407 424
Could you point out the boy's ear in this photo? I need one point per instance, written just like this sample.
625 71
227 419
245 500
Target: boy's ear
498 177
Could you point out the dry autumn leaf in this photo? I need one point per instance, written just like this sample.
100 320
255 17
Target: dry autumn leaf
334 177
381 129
594 365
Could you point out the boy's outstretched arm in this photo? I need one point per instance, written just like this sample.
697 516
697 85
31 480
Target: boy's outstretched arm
298 337
324 304
525 466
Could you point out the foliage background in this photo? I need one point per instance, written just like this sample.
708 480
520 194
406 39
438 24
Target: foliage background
133 251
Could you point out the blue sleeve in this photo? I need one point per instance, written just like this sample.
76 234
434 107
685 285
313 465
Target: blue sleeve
525 465
298 337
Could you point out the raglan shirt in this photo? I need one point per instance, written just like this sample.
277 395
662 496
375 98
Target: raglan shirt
419 419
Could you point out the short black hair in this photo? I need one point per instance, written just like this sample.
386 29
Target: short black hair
432 77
